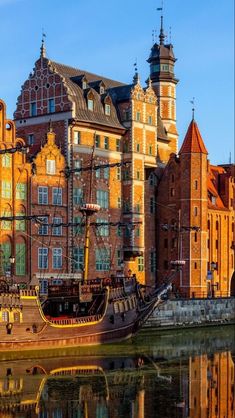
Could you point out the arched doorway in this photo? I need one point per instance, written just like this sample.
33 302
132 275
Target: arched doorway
232 288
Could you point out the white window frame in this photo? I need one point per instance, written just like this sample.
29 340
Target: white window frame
57 258
43 257
57 196
42 195
50 166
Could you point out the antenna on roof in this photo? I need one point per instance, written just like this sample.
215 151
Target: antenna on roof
43 49
193 108
170 34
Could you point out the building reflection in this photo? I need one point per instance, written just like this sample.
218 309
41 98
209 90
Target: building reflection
200 386
211 386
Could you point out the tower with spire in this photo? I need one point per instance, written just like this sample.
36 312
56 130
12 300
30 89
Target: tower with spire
162 61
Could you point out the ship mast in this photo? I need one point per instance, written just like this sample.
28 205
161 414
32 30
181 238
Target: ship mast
88 210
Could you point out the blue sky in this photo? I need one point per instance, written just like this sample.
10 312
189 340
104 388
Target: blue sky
106 37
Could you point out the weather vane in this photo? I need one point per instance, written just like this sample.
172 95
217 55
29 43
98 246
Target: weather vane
193 108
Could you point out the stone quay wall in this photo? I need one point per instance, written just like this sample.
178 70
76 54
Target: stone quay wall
192 312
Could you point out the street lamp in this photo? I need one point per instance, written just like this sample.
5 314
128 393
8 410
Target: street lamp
12 262
213 268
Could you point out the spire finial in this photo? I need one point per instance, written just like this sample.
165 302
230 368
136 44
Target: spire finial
43 49
136 78
193 108
161 36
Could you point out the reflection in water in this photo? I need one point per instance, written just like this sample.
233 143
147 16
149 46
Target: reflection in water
145 379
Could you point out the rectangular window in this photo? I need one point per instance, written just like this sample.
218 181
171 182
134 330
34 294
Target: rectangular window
43 227
97 173
126 114
33 109
150 150
77 137
21 191
118 173
196 184
90 105
103 229
57 196
97 141
102 259
77 196
119 258
57 230
42 258
118 144
152 261
42 195
6 189
106 142
5 255
119 231
50 166
150 120
6 160
78 258
77 166
20 262
20 224
78 229
51 105
57 258
137 232
137 147
137 175
195 210
138 116
107 109
102 198
106 173
141 263
119 202
30 139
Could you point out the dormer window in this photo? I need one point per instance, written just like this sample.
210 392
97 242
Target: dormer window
101 89
90 104
107 109
84 84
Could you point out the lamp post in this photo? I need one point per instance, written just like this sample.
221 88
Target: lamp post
213 268
12 262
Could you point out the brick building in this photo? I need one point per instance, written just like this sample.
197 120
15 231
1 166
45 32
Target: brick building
133 129
125 123
14 189
48 255
195 219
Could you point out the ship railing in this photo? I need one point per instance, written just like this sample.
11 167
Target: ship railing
28 292
74 321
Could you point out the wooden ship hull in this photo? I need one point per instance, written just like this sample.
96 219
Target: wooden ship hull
107 314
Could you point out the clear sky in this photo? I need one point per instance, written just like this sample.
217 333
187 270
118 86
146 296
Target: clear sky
106 37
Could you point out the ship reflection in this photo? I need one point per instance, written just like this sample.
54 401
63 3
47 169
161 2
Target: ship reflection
137 386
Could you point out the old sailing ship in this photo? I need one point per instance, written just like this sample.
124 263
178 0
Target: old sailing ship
103 310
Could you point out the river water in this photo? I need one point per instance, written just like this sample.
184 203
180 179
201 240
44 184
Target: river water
183 373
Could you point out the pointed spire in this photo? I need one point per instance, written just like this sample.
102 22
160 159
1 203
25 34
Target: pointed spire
162 35
43 48
193 142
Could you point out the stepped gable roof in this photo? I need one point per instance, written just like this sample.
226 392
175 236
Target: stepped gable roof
193 142
73 77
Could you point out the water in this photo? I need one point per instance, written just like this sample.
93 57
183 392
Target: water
184 373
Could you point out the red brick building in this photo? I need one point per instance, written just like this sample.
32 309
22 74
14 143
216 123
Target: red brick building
195 219
139 182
